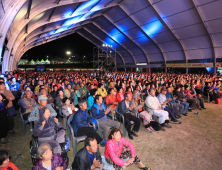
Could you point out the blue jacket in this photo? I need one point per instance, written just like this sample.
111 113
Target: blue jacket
100 114
170 95
79 122
14 87
90 102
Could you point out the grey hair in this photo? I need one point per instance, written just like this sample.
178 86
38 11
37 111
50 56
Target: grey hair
41 151
81 102
152 89
27 91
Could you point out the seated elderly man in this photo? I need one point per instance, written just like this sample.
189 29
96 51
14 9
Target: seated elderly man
27 104
125 108
44 129
44 92
48 160
163 101
88 158
81 123
154 107
100 112
38 109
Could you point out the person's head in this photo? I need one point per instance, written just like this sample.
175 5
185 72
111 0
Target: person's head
110 91
120 90
42 100
44 152
93 92
28 94
152 92
66 101
115 134
40 82
4 158
128 89
91 86
55 88
169 90
69 87
98 99
126 97
163 90
60 92
136 94
82 105
46 113
91 144
43 92
2 86
186 87
147 86
100 85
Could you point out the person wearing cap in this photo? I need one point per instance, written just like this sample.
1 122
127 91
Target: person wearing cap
163 101
154 107
27 104
37 110
75 95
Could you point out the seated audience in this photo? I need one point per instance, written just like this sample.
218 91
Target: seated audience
130 94
154 107
111 101
101 90
68 107
164 101
88 158
119 95
68 91
125 108
118 148
47 160
44 129
54 93
90 99
81 123
37 110
27 104
99 112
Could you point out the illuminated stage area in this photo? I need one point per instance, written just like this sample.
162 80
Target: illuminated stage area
141 31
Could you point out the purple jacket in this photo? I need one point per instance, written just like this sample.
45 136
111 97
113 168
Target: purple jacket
57 161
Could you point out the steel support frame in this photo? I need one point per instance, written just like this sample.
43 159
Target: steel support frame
104 56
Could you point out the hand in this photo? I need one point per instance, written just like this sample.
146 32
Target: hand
174 98
130 161
10 98
83 91
159 108
169 99
43 123
59 168
56 120
107 110
131 107
89 125
96 163
1 98
37 116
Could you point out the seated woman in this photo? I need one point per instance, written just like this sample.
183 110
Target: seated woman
118 148
5 163
146 116
119 95
111 101
44 129
191 96
129 91
48 160
90 100
68 108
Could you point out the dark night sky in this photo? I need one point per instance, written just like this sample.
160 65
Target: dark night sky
74 43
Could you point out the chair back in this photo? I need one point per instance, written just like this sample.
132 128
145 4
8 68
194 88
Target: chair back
60 113
69 124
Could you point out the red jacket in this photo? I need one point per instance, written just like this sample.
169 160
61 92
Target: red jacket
118 98
111 149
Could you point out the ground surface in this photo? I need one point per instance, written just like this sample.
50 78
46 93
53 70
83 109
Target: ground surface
195 144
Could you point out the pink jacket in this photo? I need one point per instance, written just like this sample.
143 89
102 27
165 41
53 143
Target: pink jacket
112 150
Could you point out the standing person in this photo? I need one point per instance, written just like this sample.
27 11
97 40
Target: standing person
5 163
88 158
3 119
11 110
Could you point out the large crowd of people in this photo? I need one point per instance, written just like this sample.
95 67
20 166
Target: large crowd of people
155 100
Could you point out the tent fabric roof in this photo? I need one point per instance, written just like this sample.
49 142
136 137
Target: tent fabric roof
142 31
